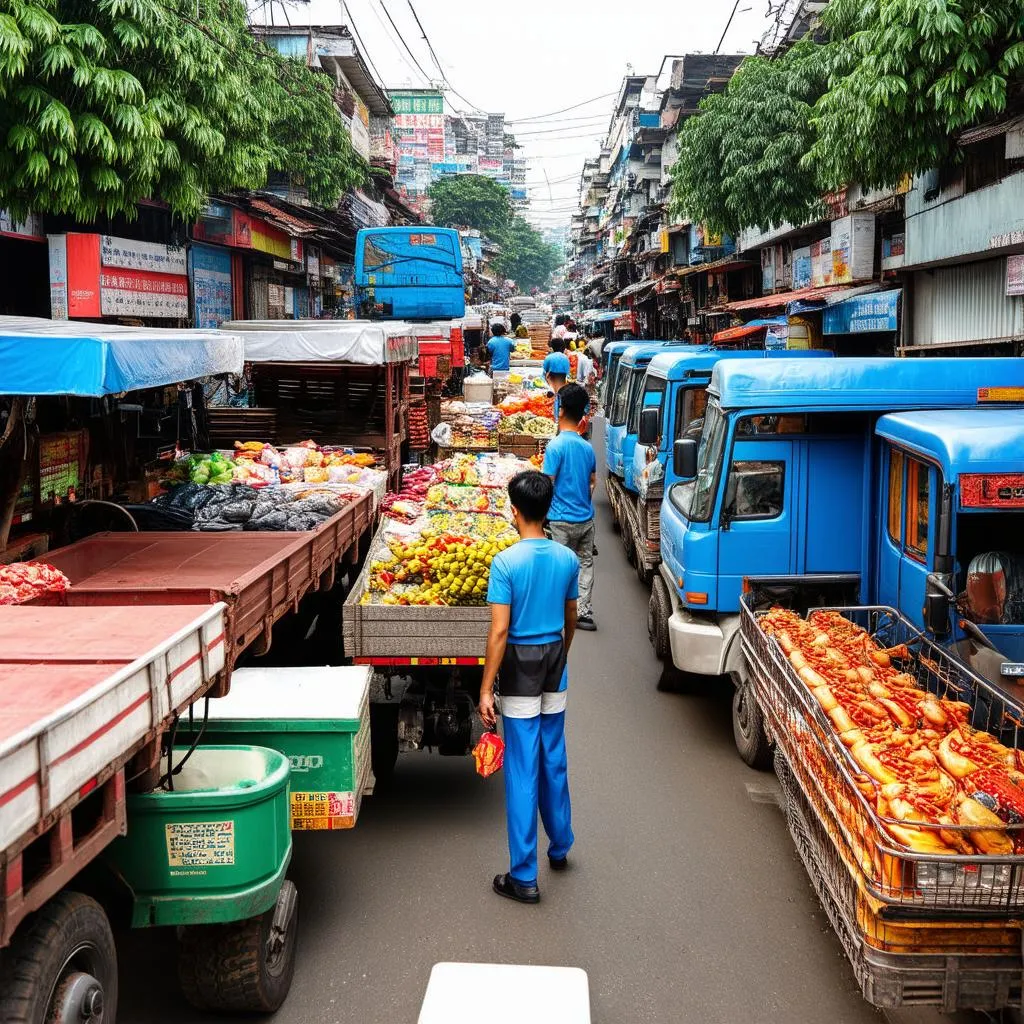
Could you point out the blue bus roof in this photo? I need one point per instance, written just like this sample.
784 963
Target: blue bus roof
647 350
961 440
886 385
673 366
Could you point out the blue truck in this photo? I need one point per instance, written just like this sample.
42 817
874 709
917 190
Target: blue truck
856 481
409 273
670 405
621 410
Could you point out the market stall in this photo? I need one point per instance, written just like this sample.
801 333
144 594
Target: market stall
336 382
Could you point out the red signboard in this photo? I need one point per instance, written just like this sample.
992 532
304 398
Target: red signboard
992 490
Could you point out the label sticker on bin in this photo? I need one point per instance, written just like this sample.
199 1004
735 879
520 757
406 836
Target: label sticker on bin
323 811
200 844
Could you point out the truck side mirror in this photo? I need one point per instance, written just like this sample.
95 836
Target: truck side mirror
650 422
938 604
684 458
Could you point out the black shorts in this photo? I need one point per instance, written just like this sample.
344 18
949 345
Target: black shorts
529 670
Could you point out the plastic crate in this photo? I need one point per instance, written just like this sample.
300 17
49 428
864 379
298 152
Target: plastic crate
831 781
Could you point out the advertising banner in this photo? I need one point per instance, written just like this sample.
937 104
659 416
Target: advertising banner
802 268
863 314
1015 275
211 285
853 248
768 269
821 263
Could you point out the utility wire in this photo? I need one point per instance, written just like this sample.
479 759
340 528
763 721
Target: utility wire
433 54
564 110
557 131
426 77
362 46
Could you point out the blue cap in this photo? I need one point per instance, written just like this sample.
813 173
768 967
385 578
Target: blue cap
558 363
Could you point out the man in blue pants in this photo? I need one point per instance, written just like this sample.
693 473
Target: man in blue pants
533 590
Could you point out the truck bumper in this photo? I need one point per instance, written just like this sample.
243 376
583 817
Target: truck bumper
702 644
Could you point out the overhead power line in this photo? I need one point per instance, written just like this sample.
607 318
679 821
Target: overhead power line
362 46
564 110
401 38
433 54
555 131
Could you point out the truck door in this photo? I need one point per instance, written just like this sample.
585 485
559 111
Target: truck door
921 487
890 533
756 534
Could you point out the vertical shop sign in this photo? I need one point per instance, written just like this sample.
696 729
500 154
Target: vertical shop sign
1015 275
853 248
211 285
821 263
58 246
802 268
768 269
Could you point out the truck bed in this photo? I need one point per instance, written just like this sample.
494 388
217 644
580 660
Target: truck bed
259 576
82 690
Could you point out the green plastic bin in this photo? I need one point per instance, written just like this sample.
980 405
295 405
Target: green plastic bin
214 850
319 718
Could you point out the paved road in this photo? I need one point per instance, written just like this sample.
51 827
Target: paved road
686 903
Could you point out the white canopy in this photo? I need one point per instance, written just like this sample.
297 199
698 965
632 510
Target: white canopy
323 341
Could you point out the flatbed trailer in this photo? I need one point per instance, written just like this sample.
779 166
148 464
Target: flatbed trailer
259 576
83 692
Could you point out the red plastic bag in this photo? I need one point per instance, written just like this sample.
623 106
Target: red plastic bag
489 754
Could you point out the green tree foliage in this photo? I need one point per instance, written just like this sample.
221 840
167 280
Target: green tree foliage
106 102
912 75
525 257
471 201
740 159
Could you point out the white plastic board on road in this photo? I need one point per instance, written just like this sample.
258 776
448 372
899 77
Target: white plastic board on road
506 994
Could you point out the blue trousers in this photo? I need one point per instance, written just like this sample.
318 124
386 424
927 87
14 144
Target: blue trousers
536 777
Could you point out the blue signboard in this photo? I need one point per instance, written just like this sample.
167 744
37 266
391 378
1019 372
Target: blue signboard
210 269
877 311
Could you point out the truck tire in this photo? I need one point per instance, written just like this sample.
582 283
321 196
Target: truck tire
61 967
627 544
384 740
643 571
748 728
245 966
658 612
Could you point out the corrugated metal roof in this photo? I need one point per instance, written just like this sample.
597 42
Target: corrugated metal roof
780 300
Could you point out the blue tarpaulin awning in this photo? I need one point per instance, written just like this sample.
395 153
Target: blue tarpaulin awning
61 357
862 314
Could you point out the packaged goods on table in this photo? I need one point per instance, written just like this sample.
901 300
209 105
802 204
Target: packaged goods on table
527 423
467 499
473 424
21 582
938 785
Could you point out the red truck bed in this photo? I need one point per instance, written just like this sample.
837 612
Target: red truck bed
259 576
82 690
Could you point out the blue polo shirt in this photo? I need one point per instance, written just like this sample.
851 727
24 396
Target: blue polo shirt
570 461
556 362
535 578
501 349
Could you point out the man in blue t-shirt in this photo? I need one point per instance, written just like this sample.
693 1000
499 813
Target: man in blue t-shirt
500 347
557 346
569 461
532 593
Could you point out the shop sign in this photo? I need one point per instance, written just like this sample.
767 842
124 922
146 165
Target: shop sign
93 276
863 314
211 285
268 239
417 103
1015 275
312 262
275 296
783 267
853 248
297 250
224 225
127 254
768 269
821 263
30 228
802 268
328 268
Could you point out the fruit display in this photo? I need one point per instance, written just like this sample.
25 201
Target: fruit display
473 424
537 404
467 499
431 567
21 582
527 423
419 427
938 785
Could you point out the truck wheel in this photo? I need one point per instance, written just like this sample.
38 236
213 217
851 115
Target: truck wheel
643 571
61 967
628 546
245 966
658 611
384 740
748 728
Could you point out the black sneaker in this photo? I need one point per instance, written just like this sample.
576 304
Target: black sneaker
558 863
507 886
586 623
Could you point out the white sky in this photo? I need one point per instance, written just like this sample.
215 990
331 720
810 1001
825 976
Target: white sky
526 58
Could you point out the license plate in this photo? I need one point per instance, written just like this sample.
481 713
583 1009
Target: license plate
1013 669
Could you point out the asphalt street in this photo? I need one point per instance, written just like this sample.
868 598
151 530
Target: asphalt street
685 902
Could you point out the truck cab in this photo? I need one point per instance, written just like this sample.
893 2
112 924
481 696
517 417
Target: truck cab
623 414
951 553
785 485
611 355
409 273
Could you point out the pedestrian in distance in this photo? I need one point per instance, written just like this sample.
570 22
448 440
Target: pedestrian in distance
500 348
514 321
557 347
532 592
570 462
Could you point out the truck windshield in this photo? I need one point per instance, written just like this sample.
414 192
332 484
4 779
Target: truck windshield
636 383
696 498
617 406
654 394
